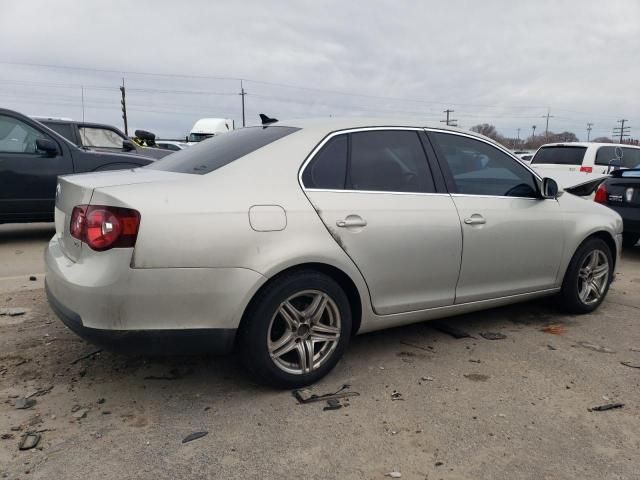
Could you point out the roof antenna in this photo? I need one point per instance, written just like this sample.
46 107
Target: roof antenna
266 120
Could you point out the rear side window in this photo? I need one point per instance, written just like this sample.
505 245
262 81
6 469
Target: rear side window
63 129
218 151
388 161
328 169
559 155
628 157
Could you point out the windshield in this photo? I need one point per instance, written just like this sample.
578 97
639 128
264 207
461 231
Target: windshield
559 155
198 137
100 138
220 150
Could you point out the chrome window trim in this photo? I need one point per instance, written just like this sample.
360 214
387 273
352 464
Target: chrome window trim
329 190
354 130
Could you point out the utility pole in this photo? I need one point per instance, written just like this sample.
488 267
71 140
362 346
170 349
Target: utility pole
449 121
518 139
621 130
533 135
546 131
242 94
124 109
589 125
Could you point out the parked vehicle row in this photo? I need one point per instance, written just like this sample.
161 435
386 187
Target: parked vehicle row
32 156
586 157
286 240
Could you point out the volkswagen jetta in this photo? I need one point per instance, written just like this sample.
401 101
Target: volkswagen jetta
285 240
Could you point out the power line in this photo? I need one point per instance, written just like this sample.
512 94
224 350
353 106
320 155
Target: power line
589 128
546 130
449 121
622 131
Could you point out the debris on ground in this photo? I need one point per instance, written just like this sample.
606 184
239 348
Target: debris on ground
472 360
194 436
333 404
631 364
450 330
427 379
551 347
33 278
88 355
409 344
12 312
81 413
305 396
40 392
476 377
24 403
493 336
439 464
29 440
634 349
555 329
608 406
6 436
393 474
596 348
396 395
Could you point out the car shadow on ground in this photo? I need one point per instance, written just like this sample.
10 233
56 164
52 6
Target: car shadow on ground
27 232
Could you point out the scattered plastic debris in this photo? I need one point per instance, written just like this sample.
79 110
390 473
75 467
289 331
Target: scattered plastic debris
596 348
631 364
24 403
333 404
427 379
29 440
305 396
493 336
194 436
450 330
12 312
393 474
608 406
396 395
88 355
555 329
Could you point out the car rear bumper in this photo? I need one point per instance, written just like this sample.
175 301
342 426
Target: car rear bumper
104 300
630 218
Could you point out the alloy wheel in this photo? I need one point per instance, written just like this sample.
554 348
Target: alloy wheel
304 332
593 277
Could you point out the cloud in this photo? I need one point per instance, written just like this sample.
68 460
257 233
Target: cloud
500 62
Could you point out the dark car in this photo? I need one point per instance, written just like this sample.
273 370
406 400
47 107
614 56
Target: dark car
32 157
98 136
621 192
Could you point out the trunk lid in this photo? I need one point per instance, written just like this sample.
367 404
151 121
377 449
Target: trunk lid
74 190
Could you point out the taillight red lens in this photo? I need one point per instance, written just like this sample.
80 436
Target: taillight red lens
103 227
601 194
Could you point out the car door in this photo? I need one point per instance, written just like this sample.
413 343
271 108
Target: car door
376 195
512 238
28 177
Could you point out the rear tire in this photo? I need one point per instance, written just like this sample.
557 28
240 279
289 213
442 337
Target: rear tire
295 330
630 239
587 279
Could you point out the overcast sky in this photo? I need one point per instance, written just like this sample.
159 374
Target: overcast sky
501 62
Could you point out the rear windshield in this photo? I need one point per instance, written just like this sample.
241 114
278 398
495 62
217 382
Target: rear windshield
560 155
220 150
63 129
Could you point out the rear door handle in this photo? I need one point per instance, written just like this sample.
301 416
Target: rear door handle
475 219
352 221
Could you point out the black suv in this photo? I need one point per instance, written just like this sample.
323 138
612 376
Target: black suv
97 136
31 158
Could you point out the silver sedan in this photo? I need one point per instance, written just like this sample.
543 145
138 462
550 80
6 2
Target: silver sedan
285 240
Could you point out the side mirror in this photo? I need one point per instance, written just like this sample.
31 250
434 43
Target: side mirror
128 146
46 146
549 188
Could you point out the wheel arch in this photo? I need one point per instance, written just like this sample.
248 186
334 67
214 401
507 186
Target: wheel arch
606 237
338 275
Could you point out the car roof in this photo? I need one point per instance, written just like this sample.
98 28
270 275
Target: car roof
587 144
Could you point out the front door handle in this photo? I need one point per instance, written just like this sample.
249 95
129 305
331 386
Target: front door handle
352 221
475 219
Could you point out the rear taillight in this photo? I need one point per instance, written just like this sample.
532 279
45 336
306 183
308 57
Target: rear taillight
586 169
103 227
601 194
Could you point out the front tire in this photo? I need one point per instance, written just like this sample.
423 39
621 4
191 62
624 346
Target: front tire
588 277
295 330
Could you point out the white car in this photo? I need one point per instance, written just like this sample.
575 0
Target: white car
287 239
584 157
172 145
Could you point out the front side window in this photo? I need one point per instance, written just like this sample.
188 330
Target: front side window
100 138
328 169
388 161
477 168
17 136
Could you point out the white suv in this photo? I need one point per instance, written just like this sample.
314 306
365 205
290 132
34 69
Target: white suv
597 158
